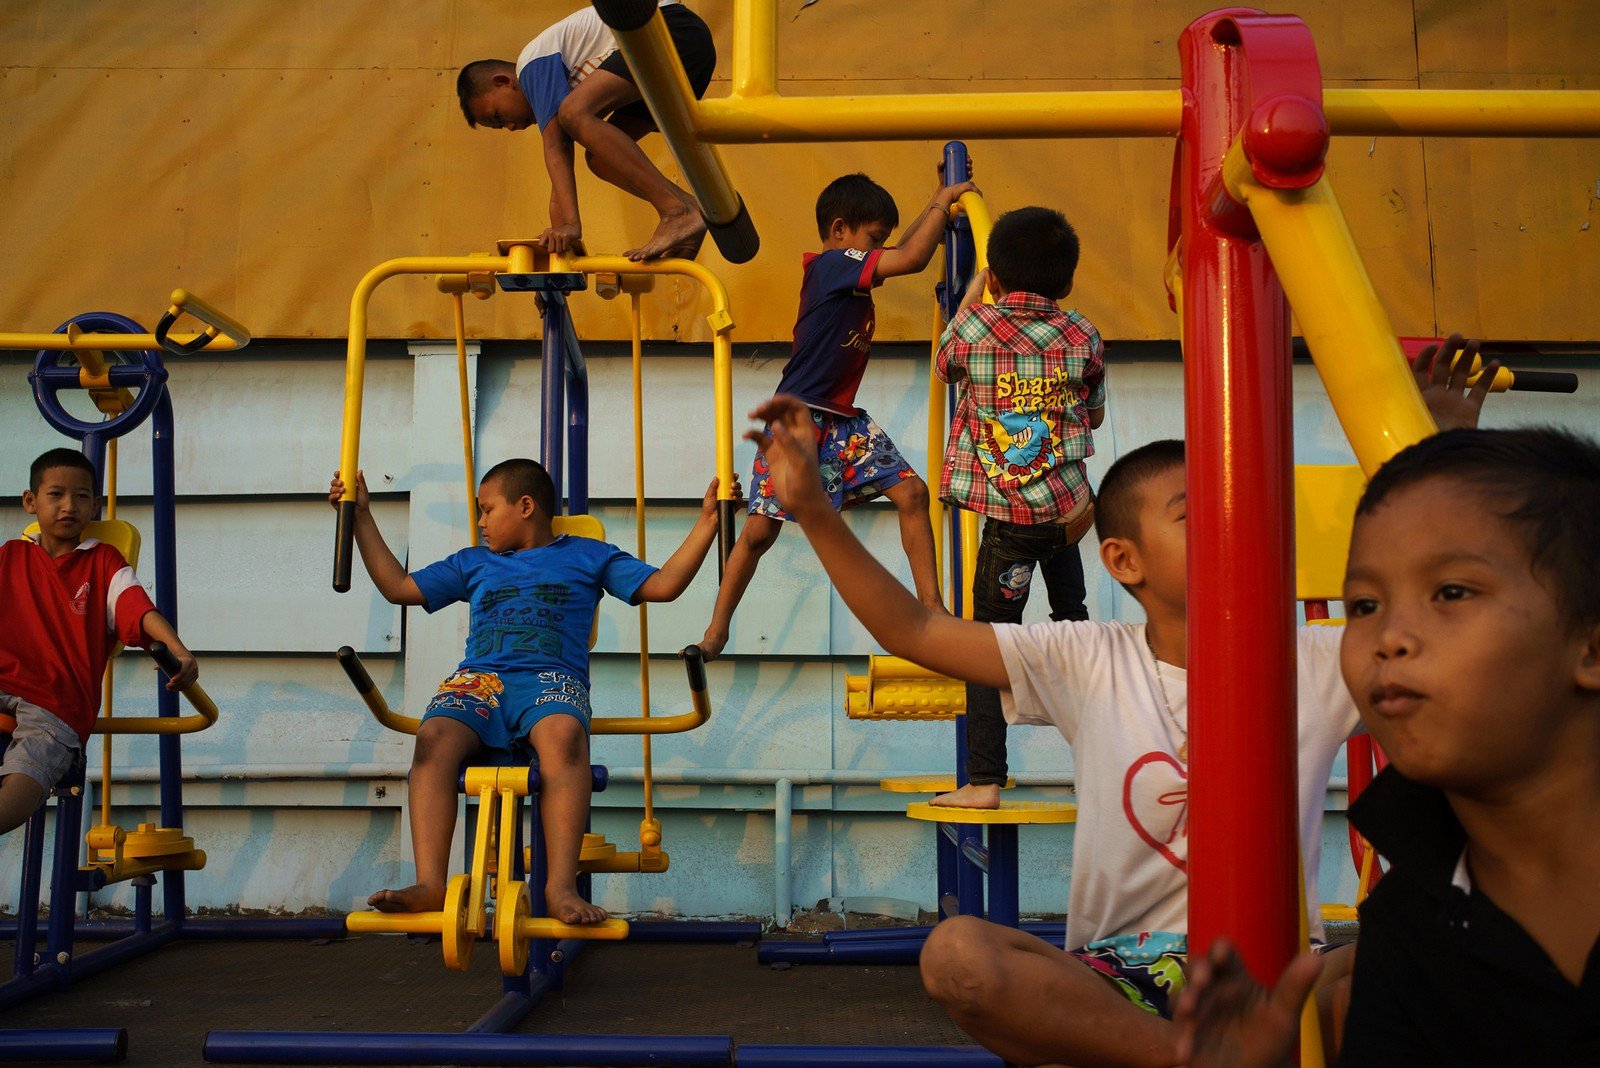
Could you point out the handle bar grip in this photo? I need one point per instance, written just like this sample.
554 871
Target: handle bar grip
218 323
1544 381
357 671
694 663
164 658
344 536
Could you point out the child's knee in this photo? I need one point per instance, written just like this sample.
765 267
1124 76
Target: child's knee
572 113
958 964
911 495
760 533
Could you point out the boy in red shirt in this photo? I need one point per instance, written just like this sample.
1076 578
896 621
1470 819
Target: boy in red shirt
68 601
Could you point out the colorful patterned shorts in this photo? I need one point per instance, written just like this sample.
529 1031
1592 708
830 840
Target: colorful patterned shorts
1147 969
502 709
857 459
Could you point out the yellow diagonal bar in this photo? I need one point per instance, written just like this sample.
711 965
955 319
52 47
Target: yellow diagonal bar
1352 342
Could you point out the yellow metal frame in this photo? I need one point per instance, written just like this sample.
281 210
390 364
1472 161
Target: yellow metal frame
488 898
526 258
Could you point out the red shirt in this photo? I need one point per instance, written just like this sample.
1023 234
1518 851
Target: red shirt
59 619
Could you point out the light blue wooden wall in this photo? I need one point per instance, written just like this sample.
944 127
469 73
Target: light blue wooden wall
300 792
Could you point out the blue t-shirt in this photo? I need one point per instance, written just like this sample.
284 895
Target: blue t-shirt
833 332
532 610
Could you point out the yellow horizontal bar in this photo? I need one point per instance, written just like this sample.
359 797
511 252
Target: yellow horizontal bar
394 923
1464 112
205 715
939 116
544 927
634 862
111 342
773 118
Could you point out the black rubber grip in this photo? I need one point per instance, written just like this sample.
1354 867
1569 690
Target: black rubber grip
726 511
344 536
625 14
1544 381
174 347
355 669
694 662
736 239
164 658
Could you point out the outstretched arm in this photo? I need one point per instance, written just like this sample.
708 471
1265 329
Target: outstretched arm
921 237
682 566
959 648
565 234
388 574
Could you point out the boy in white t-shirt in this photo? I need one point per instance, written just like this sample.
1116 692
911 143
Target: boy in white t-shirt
571 84
1118 694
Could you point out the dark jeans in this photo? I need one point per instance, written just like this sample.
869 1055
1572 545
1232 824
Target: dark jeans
1007 554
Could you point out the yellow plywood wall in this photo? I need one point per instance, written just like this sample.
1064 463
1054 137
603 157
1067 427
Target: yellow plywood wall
265 153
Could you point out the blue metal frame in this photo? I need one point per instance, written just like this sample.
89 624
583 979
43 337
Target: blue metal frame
59 966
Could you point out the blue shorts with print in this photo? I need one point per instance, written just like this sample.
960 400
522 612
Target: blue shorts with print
502 708
857 459
1147 969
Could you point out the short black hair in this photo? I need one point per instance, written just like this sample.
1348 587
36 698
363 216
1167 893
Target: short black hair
1549 480
519 478
59 458
1116 506
856 199
473 82
1034 250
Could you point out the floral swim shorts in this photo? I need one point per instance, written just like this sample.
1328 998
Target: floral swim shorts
858 462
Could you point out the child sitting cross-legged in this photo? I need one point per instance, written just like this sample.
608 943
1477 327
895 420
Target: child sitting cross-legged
524 683
1473 652
1118 693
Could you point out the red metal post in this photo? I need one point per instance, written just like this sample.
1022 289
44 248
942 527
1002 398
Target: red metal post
1243 866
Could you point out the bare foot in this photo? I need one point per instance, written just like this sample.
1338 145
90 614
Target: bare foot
711 645
972 795
675 229
567 906
418 898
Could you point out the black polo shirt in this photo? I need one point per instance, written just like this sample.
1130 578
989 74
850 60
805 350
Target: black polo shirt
1442 975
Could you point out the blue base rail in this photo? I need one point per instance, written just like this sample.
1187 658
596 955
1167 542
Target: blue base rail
101 1044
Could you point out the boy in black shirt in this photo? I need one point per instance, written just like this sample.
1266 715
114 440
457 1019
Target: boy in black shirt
1473 652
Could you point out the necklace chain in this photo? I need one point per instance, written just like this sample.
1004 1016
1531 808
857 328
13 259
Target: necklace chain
1166 702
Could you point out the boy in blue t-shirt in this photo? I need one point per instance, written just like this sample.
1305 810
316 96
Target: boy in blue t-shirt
832 342
523 685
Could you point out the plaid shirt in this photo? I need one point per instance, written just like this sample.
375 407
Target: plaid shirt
1028 375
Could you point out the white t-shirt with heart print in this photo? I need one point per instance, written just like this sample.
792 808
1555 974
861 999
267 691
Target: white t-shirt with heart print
1096 683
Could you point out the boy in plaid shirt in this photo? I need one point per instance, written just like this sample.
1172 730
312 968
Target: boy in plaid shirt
1032 387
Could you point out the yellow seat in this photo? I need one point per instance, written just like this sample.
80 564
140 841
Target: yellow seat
121 536
582 526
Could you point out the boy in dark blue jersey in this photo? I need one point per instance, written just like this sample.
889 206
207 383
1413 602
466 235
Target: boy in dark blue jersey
524 683
832 342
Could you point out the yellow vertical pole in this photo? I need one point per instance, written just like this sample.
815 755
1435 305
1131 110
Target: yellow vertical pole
466 419
638 514
937 420
755 48
105 739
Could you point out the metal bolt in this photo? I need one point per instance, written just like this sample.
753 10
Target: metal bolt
556 956
77 791
63 957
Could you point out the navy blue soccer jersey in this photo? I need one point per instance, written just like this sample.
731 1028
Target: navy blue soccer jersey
533 609
833 332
